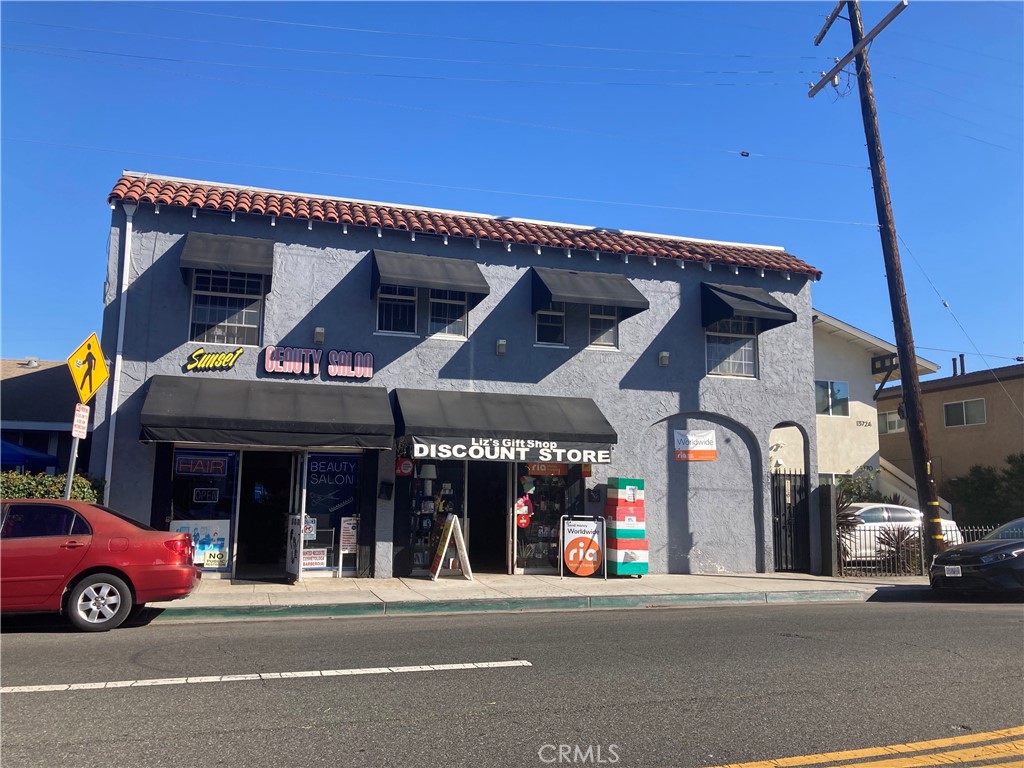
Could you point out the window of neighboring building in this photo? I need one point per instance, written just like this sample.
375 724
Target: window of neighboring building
448 313
830 478
832 398
604 326
396 309
227 307
731 347
889 422
551 324
965 412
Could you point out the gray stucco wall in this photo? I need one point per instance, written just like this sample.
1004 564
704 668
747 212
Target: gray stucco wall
702 516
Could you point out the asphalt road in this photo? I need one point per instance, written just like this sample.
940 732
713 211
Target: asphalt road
677 688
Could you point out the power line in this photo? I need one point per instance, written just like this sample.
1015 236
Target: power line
360 54
458 38
479 190
960 325
447 113
389 75
957 351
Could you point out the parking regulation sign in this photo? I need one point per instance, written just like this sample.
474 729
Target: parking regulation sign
80 426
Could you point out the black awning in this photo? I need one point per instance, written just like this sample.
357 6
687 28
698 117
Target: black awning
572 287
228 253
503 427
419 271
270 413
721 302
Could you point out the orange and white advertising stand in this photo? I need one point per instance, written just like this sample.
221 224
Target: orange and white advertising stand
581 545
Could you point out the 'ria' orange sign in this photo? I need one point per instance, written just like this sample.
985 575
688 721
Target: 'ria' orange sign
583 555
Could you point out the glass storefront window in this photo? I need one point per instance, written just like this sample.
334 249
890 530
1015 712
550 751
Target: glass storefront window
438 489
203 494
331 524
541 491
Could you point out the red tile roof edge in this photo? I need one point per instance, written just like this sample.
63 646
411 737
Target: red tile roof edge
226 198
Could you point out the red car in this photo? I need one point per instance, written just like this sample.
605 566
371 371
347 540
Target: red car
91 563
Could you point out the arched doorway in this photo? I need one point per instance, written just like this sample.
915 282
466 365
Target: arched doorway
790 489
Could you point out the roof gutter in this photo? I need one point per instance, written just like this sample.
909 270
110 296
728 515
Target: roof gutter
115 390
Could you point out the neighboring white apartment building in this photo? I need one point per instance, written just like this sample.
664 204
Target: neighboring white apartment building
848 422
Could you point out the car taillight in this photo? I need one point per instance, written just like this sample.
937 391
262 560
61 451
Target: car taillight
181 547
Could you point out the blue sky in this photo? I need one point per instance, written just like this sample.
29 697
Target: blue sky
630 116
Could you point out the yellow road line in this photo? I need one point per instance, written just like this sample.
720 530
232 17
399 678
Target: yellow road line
854 754
951 757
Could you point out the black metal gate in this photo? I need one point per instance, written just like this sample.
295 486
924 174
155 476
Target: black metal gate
791 532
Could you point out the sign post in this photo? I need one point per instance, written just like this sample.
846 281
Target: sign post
88 372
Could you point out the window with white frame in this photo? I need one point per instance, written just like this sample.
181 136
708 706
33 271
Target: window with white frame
551 324
831 478
604 326
396 309
731 347
965 413
889 422
832 398
448 314
227 307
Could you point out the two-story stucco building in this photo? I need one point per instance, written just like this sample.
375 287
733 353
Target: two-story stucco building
368 368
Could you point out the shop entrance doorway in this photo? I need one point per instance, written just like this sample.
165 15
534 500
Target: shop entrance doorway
487 504
263 508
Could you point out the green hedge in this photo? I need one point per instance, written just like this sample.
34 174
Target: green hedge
14 485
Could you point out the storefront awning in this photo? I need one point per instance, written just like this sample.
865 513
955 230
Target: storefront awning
503 427
266 413
572 287
228 253
421 271
721 302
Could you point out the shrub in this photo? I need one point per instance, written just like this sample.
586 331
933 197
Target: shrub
989 495
14 485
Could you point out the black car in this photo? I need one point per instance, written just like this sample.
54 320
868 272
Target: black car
993 563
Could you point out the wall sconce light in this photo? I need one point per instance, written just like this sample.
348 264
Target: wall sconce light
779 463
499 348
318 335
663 359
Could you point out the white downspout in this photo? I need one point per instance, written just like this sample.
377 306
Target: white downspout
115 388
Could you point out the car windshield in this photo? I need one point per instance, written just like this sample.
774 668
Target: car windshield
1012 530
125 517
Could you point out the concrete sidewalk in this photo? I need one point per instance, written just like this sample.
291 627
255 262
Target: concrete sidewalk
222 599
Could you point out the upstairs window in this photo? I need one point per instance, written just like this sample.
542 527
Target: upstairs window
396 309
965 413
604 326
832 398
551 324
731 347
889 422
448 313
227 307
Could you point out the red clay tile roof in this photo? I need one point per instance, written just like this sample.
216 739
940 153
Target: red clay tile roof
137 188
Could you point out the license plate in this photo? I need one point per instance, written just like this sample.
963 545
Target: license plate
953 570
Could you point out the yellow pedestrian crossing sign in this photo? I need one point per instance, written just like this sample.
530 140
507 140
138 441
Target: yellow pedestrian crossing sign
88 369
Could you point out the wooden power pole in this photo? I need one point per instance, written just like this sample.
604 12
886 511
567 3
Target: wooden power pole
917 431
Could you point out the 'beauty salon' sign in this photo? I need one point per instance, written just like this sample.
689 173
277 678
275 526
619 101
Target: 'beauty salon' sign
303 361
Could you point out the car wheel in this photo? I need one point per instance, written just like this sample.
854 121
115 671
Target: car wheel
99 602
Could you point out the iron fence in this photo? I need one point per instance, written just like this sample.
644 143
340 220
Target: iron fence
890 550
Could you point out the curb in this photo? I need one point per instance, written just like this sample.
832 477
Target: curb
502 605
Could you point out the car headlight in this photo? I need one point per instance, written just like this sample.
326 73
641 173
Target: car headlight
1000 556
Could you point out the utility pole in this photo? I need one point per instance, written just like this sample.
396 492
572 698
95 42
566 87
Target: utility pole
917 431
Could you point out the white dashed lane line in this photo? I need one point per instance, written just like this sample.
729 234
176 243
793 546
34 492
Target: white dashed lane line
260 676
